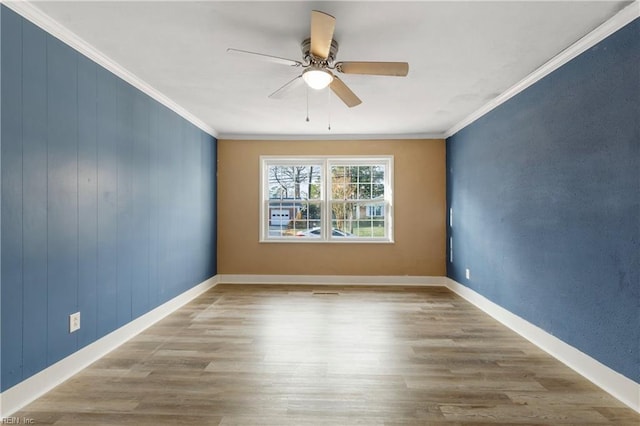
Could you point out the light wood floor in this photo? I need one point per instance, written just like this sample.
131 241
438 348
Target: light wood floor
297 355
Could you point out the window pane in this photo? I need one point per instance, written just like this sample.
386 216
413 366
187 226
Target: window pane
289 218
338 174
315 190
363 228
344 215
311 211
377 190
294 182
364 191
364 174
369 228
357 219
351 191
338 191
307 223
375 210
360 182
344 174
351 173
377 174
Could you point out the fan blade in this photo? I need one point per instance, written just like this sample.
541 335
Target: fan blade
344 93
262 56
286 88
400 69
322 26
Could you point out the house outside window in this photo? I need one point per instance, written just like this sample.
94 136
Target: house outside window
373 210
326 199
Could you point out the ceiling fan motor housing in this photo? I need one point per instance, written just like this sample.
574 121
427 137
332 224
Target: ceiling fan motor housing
311 59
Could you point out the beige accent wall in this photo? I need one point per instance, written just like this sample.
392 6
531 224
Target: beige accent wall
419 208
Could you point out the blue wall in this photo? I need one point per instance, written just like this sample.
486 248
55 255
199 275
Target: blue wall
108 201
545 191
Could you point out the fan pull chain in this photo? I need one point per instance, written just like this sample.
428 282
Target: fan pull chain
329 112
307 120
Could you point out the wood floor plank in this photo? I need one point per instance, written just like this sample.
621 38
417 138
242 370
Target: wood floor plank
316 355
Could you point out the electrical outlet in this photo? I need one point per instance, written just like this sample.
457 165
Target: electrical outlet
467 273
74 322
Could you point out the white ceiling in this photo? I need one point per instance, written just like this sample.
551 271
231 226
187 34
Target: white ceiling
461 55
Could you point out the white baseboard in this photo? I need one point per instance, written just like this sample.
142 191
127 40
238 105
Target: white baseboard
333 280
619 386
35 386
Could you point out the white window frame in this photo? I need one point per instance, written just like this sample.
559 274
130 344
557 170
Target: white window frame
326 161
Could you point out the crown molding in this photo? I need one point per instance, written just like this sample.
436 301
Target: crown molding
39 18
616 22
325 137
51 26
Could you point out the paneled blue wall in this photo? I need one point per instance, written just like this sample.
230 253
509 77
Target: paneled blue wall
545 191
108 201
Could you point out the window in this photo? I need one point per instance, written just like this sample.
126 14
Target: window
326 199
375 210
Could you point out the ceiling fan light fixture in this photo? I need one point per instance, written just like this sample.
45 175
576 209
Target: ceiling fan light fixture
317 78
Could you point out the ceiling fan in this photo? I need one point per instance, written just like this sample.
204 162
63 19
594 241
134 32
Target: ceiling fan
318 62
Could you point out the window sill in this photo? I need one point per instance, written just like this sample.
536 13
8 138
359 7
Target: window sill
319 241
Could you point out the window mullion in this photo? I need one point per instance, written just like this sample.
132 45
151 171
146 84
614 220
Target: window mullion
326 217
